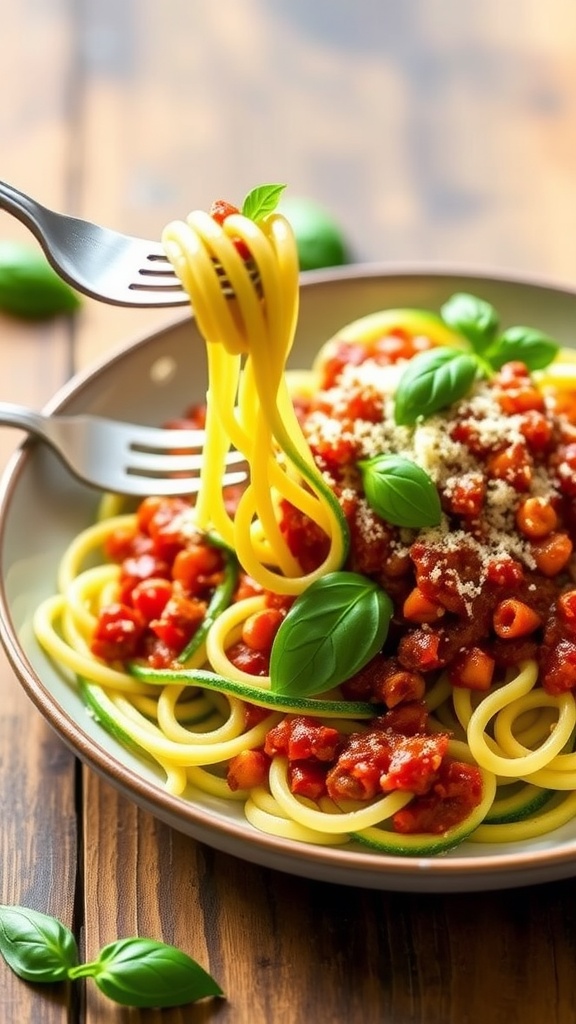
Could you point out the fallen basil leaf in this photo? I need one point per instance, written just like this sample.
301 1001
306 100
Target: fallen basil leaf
400 492
261 201
431 381
331 631
476 319
29 287
147 973
36 946
524 344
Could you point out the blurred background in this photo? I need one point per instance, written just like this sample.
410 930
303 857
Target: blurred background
432 131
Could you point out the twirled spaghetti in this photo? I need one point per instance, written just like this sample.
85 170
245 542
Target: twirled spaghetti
455 523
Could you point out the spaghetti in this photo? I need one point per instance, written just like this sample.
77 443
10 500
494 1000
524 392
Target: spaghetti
456 720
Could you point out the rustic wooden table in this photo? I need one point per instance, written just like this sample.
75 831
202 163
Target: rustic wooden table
436 132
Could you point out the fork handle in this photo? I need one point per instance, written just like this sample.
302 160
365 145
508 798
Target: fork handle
20 206
26 419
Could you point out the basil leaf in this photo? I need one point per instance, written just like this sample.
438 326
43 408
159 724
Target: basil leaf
431 381
147 973
525 344
29 287
400 491
331 631
476 319
261 201
36 946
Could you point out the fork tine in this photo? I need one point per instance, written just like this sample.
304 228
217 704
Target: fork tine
142 486
162 439
163 465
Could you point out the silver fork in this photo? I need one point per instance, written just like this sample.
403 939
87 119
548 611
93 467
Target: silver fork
104 264
121 457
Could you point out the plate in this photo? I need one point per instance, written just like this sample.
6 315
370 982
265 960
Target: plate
42 506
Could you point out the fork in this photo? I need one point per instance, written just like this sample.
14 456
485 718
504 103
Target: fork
104 264
123 458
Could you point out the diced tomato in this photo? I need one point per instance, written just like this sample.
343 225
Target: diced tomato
337 451
260 629
220 211
466 497
150 597
505 572
537 430
307 778
122 542
197 567
254 714
142 567
306 540
559 667
302 737
247 770
247 587
457 791
409 719
161 518
512 464
419 650
179 621
414 763
384 760
255 663
118 633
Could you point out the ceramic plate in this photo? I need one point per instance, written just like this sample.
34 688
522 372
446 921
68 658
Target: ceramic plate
42 506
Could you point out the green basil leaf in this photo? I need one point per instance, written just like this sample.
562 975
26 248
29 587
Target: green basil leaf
36 946
331 631
431 381
29 287
400 491
525 344
476 319
261 201
148 973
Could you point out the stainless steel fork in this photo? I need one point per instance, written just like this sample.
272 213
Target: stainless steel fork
121 457
114 268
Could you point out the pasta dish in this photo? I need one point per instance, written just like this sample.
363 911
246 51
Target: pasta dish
373 638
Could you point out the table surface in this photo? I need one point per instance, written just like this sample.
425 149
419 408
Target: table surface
436 132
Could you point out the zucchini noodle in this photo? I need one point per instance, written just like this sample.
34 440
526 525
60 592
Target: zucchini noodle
205 711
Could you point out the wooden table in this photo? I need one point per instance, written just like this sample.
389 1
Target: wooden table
436 132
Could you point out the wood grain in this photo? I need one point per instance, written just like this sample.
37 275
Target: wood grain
435 132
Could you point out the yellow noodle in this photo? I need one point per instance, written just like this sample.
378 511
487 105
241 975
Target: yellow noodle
380 810
524 764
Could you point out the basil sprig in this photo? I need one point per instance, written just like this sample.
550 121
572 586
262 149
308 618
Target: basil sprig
261 201
400 492
474 318
431 381
436 378
524 344
331 631
134 971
